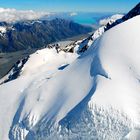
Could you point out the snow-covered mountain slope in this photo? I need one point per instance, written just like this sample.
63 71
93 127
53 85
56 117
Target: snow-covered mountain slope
66 96
40 68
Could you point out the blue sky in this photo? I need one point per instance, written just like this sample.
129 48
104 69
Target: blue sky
71 5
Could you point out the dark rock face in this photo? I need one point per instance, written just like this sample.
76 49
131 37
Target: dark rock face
36 34
15 71
134 12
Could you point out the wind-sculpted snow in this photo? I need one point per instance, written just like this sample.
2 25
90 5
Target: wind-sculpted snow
93 95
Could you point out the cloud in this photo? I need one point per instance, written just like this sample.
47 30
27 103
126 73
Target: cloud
13 15
111 19
73 14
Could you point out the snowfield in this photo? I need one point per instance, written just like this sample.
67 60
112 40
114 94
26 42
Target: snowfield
60 96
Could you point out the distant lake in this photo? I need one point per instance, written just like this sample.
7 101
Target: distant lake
86 18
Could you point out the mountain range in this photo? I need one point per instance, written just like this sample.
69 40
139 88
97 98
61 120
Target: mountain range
22 35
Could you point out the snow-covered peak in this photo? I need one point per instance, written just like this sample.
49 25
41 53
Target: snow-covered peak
66 96
3 29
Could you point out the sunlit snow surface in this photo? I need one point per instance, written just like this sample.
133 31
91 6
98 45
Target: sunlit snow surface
66 96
